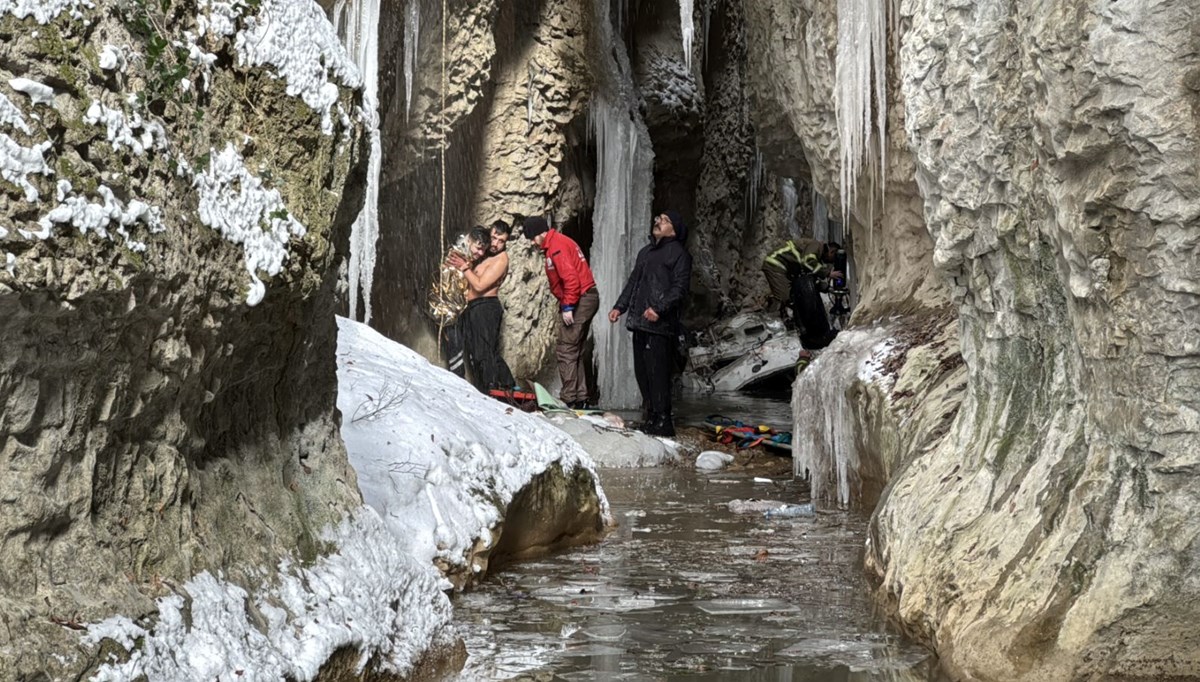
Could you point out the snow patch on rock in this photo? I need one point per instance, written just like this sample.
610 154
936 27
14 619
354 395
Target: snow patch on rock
127 132
39 93
88 216
296 38
44 11
370 595
235 203
18 162
112 58
11 116
437 459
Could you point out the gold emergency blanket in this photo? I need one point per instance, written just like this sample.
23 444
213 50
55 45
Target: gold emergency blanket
448 294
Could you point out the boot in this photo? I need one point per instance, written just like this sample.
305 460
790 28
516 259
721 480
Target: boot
661 425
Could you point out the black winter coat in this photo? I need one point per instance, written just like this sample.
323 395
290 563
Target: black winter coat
660 279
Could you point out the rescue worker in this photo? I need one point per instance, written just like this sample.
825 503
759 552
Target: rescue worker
790 260
572 283
653 296
796 273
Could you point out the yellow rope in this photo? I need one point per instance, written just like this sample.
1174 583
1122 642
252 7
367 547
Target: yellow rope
445 129
442 148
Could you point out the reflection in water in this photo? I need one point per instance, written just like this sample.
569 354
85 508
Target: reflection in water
686 589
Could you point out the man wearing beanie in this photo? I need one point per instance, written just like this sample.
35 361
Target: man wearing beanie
654 296
572 283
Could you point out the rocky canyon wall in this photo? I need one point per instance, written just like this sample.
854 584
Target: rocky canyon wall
1060 179
178 187
520 139
1051 535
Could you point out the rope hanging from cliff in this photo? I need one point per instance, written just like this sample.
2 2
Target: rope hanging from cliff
442 145
442 149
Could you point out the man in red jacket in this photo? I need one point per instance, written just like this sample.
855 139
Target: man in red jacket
572 284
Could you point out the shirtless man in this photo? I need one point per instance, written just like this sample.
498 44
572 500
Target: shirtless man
485 272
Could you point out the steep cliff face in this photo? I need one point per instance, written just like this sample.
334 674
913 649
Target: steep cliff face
522 132
1060 178
1052 533
510 120
737 221
183 186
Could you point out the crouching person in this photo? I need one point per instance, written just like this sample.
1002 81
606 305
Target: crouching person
653 296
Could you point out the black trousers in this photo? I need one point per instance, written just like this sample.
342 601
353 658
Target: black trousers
452 347
808 312
481 336
652 361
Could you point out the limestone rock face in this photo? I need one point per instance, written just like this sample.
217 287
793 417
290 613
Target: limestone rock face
735 225
1051 534
514 139
166 353
1061 185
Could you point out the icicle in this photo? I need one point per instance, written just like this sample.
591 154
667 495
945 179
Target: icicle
820 217
339 16
621 216
529 101
362 42
412 35
687 29
861 73
825 438
754 180
787 190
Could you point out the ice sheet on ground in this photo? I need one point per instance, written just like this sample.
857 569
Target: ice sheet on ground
754 506
743 605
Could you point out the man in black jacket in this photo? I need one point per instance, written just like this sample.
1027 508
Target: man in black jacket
653 296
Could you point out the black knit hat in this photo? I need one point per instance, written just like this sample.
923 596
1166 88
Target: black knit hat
533 226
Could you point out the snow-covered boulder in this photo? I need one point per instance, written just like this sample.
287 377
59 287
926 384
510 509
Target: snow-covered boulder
461 477
451 479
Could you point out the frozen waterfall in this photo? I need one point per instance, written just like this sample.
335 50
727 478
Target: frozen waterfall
824 437
820 217
621 228
687 29
787 190
362 42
